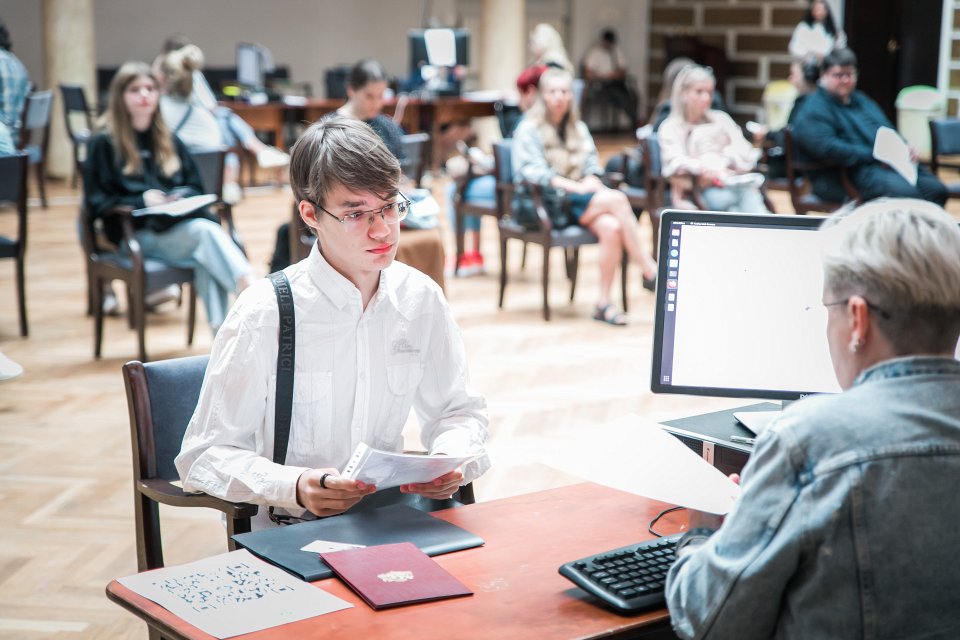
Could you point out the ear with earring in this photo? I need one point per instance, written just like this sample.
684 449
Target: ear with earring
855 345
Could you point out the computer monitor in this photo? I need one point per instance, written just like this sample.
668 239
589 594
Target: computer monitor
250 68
739 307
434 53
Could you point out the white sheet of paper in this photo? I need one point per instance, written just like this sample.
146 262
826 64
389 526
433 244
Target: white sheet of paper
636 455
178 207
327 546
385 469
890 148
232 594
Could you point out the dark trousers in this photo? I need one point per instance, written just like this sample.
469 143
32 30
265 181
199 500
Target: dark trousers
876 180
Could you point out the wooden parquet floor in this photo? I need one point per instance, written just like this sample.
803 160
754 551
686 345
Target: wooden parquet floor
66 502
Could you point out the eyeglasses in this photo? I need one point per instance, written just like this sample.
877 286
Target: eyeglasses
843 75
883 314
391 213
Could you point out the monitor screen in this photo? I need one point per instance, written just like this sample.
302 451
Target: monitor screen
438 48
249 67
739 307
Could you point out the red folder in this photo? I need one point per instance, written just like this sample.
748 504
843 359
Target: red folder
390 575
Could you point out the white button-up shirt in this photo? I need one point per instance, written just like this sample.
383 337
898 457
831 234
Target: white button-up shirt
357 374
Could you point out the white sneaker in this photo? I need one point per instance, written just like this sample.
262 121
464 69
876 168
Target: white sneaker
8 368
271 158
156 298
232 193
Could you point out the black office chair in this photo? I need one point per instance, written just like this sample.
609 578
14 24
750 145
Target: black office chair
945 141
35 136
570 238
161 398
13 188
75 109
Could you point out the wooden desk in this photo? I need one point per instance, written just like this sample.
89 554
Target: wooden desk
517 590
263 117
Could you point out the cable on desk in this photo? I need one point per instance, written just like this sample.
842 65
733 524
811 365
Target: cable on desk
658 516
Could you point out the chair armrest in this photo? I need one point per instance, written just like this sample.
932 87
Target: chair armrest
165 492
125 213
536 194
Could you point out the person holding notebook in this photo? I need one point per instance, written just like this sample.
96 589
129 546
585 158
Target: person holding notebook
374 338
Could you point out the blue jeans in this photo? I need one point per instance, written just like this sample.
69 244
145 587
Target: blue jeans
203 246
481 190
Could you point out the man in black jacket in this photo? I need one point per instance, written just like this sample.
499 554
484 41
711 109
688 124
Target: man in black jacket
838 125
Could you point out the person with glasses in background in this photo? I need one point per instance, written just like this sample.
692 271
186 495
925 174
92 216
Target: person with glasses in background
849 500
374 338
838 125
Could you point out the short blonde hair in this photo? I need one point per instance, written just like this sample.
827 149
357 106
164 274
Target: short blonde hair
903 256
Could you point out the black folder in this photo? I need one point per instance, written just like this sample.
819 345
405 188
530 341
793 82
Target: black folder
385 525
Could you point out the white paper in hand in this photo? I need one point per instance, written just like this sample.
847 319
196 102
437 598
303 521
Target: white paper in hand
635 455
386 469
890 148
179 207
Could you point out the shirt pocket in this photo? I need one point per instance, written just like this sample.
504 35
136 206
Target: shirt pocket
312 416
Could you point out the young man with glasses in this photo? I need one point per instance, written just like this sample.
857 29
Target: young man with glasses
838 125
373 339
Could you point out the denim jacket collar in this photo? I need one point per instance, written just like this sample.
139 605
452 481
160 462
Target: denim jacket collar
909 366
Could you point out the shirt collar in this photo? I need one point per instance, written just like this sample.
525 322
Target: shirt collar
341 291
909 366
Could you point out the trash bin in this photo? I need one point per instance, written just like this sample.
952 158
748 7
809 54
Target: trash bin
916 107
778 99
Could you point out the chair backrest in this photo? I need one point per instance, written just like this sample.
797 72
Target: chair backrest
161 398
652 160
74 105
36 120
210 164
944 140
13 188
507 117
415 151
503 171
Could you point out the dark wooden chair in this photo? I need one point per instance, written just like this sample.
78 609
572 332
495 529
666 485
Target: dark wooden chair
802 197
106 263
161 398
507 117
570 239
945 141
463 208
13 188
35 136
78 118
416 148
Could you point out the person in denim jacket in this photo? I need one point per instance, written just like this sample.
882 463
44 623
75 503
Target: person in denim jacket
846 526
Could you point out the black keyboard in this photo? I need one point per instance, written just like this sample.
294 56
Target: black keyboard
629 578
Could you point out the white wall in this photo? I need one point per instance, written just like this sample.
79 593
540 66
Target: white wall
308 35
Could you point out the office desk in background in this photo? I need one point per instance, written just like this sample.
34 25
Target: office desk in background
420 114
518 593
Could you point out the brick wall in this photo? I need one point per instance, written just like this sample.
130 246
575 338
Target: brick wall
754 34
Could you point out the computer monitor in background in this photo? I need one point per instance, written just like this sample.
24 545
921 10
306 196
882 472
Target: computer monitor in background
739 307
250 67
433 55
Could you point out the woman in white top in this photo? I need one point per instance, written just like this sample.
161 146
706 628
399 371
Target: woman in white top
817 34
705 146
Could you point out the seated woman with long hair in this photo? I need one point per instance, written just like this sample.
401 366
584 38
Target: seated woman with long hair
703 147
553 148
134 161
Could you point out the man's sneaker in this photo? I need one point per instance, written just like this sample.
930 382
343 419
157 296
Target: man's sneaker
232 193
471 264
160 296
271 158
8 368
